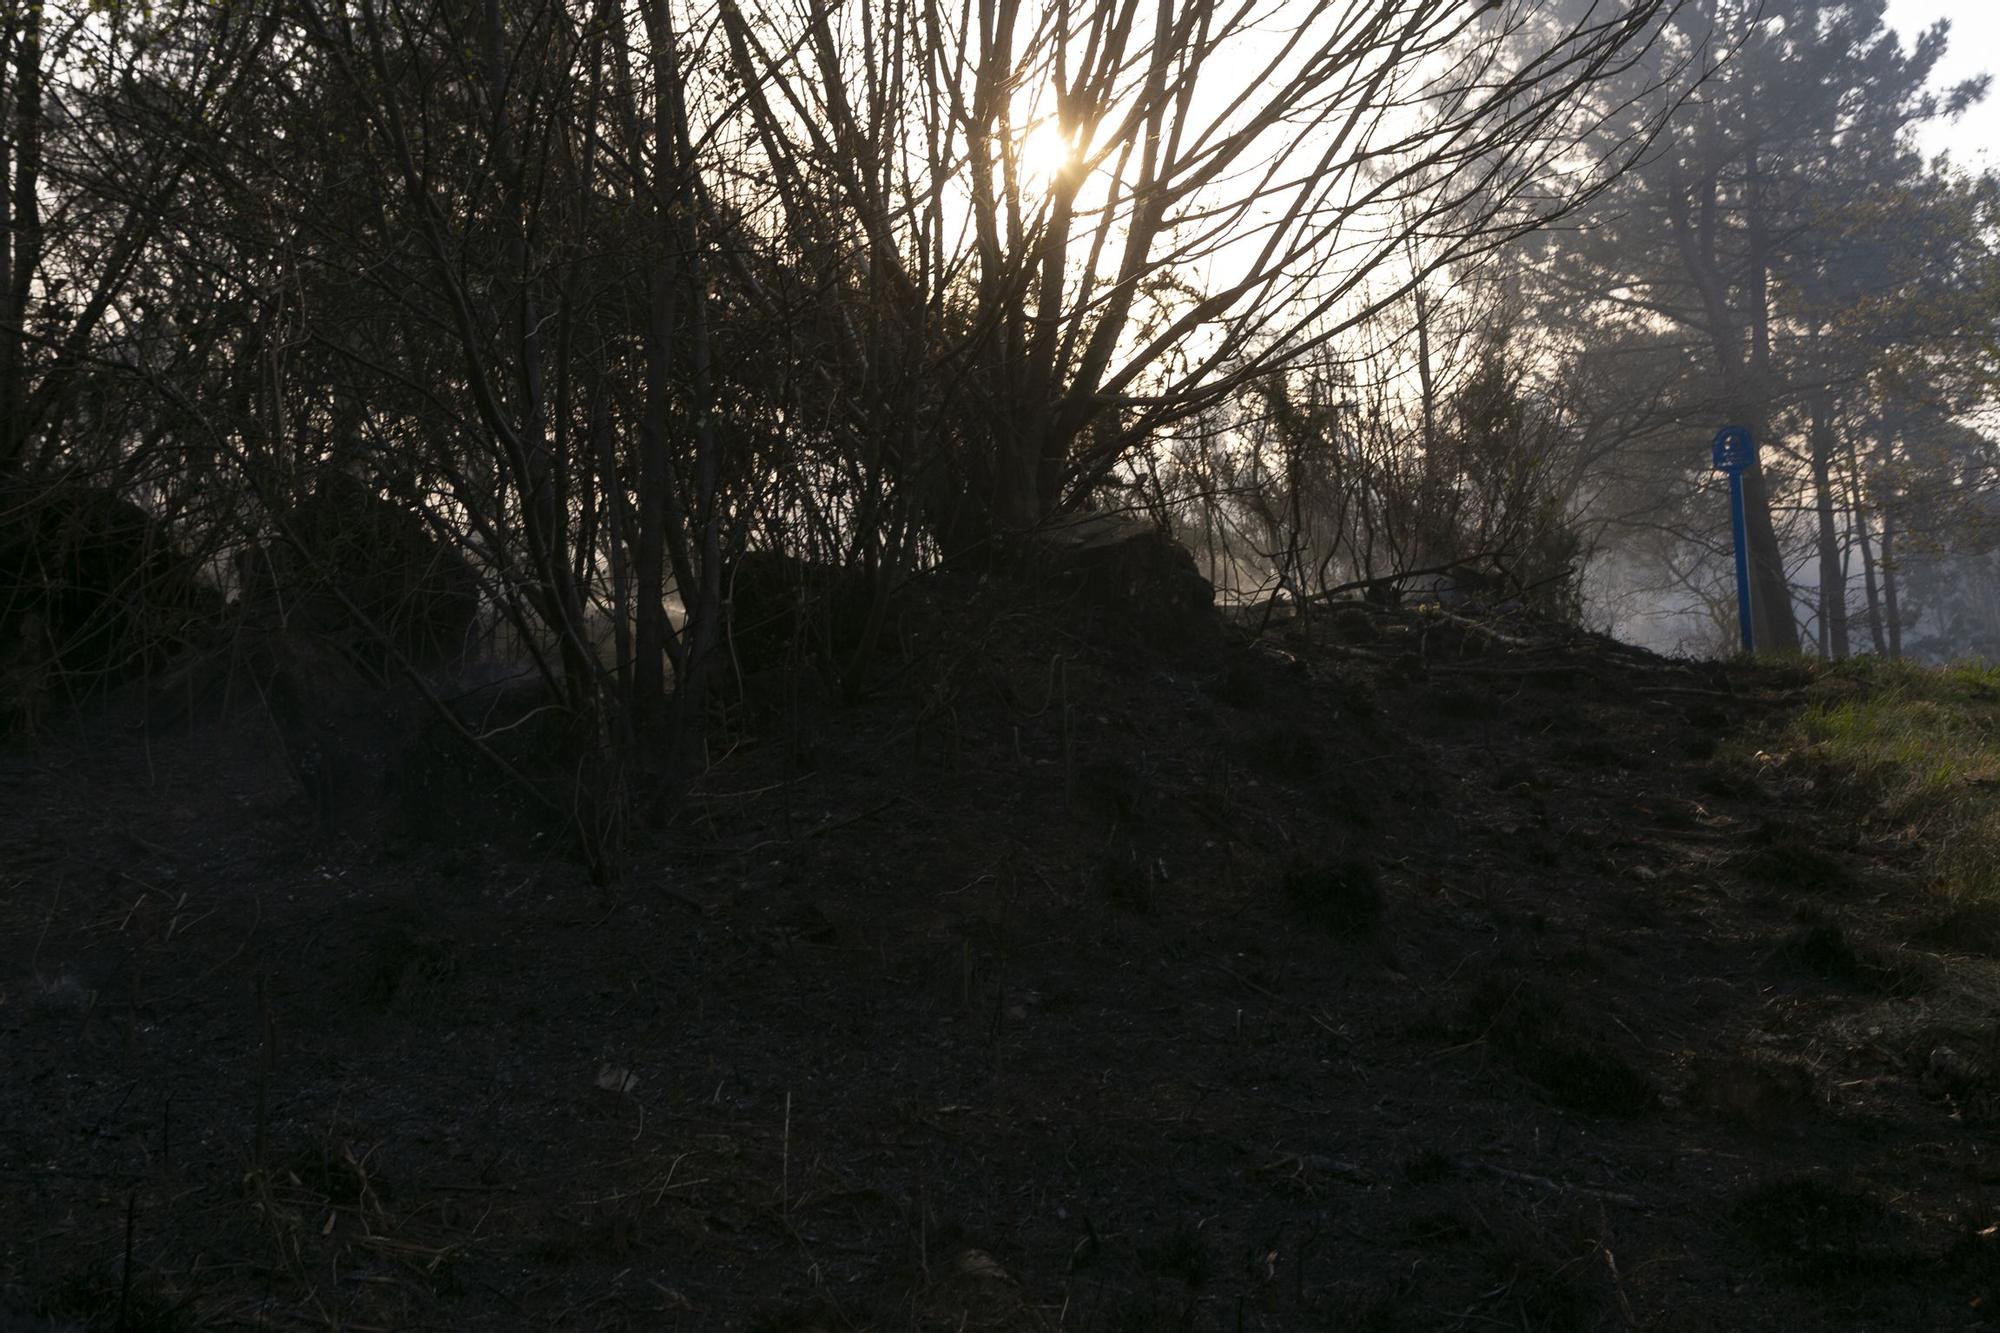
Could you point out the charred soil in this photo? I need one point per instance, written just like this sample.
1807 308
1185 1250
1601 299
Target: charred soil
1378 971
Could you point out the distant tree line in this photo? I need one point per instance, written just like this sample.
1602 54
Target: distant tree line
1787 259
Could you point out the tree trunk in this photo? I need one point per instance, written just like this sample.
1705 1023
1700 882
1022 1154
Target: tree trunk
1860 510
1893 611
1832 569
1771 616
20 228
1426 380
655 488
1770 591
701 585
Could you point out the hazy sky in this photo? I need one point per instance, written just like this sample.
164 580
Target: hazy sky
1974 50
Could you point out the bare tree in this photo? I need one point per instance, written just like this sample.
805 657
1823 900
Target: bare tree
1091 221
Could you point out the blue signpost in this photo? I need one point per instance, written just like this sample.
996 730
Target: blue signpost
1734 451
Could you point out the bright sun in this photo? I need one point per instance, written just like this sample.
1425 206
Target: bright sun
1045 153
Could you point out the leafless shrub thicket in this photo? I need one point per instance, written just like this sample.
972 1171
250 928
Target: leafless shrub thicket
1444 474
569 306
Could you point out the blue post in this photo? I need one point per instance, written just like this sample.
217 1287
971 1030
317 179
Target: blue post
1734 451
1742 562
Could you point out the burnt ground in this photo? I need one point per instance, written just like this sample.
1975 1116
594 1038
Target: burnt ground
1395 975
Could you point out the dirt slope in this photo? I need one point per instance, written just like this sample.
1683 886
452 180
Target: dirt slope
1386 973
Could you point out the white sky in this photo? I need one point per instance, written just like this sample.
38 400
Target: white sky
1974 49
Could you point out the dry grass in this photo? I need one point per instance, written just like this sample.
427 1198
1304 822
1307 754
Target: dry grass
1921 748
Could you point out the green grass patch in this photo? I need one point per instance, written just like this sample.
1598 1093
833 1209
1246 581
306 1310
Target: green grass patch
1920 748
